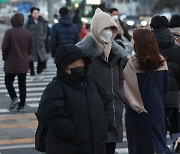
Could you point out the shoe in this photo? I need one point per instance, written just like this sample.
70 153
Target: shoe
21 109
39 77
14 103
32 78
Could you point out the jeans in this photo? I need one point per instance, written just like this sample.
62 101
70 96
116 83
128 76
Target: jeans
9 79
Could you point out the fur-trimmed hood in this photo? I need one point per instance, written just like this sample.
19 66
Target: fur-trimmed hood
90 47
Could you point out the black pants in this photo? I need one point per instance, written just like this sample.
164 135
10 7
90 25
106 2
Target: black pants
110 148
9 79
40 67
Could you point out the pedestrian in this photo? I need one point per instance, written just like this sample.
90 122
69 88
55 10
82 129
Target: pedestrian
16 47
175 26
77 19
171 51
122 30
64 32
75 108
108 59
146 81
38 27
47 42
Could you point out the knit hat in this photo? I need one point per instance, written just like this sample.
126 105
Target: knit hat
175 21
159 22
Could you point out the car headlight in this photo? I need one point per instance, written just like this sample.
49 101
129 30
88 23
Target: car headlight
84 20
55 20
143 23
130 22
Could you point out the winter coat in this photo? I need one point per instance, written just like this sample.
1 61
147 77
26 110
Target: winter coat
146 131
64 32
110 75
78 115
39 32
16 47
171 52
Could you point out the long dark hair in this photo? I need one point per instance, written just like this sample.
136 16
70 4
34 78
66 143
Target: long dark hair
147 50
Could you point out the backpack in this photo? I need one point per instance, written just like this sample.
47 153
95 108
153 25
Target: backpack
40 135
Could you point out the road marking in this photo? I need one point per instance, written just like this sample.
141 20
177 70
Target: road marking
17 141
18 116
28 89
33 105
32 123
29 94
3 110
122 150
29 84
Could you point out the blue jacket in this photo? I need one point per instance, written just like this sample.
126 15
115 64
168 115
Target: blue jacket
64 32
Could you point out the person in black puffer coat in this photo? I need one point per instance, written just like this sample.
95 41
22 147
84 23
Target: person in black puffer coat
171 51
74 107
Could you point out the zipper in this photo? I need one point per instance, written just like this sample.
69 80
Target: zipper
113 93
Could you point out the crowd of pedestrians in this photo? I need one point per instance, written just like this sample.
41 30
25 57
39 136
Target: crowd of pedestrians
82 107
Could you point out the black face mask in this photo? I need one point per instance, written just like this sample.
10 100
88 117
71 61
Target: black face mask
77 73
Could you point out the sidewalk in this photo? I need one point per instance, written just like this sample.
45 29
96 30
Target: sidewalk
17 129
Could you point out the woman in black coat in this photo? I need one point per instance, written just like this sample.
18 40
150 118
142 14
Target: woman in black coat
76 110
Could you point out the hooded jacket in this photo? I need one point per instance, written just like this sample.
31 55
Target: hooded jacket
77 115
16 47
107 71
64 32
171 51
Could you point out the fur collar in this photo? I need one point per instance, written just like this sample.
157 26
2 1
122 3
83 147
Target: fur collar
90 47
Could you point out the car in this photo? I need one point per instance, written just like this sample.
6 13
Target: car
131 22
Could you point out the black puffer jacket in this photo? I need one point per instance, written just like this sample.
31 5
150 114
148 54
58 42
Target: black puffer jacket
171 52
77 115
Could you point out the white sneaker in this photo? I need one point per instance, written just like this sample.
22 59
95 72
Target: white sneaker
14 103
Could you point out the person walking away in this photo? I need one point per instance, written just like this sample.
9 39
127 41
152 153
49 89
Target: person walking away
175 27
77 111
64 32
38 27
16 47
171 51
108 59
47 42
146 81
122 30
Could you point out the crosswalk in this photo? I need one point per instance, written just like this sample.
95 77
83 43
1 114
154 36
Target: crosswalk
34 92
34 87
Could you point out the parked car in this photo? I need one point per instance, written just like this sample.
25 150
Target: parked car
131 22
